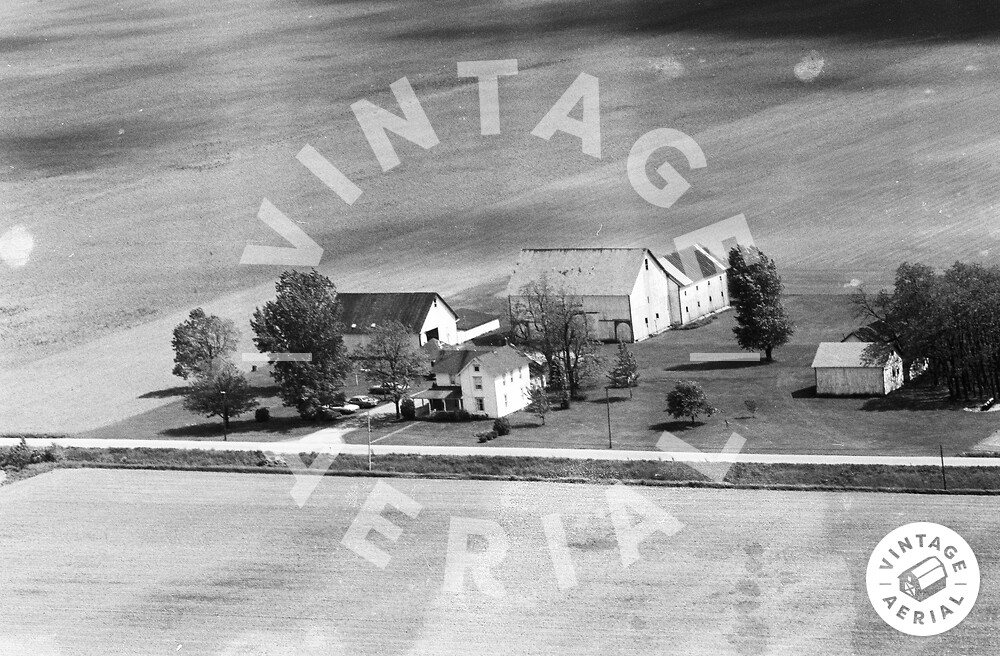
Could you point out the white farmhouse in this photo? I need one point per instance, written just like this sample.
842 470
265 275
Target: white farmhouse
702 283
625 292
841 370
425 315
495 382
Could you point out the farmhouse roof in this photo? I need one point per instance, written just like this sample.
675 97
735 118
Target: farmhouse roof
499 360
582 271
695 263
869 333
842 354
358 311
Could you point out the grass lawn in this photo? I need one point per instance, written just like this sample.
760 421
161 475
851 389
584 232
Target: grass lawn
199 563
172 421
789 419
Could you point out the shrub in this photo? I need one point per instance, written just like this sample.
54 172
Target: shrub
21 455
578 395
501 426
478 416
463 415
262 415
486 436
408 409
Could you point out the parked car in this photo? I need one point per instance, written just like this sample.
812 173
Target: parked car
364 401
378 390
346 409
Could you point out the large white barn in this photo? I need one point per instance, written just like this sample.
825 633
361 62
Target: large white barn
625 292
425 314
841 370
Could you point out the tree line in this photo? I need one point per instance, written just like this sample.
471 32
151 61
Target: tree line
948 322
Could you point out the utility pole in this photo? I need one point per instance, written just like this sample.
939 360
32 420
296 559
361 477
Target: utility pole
944 480
225 416
607 401
369 415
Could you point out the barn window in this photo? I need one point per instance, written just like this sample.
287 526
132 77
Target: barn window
657 315
699 303
647 265
647 321
686 309
696 287
709 283
709 299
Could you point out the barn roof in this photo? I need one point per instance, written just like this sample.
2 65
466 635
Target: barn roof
842 354
582 271
360 310
694 262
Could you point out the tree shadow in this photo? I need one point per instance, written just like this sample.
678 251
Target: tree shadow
280 425
526 424
675 426
165 393
612 399
914 397
719 365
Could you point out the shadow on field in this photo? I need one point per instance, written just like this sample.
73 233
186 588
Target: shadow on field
612 399
752 19
675 426
214 428
717 366
805 393
913 396
166 393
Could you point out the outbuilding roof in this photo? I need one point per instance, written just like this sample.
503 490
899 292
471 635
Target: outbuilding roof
581 271
469 319
360 310
695 263
843 354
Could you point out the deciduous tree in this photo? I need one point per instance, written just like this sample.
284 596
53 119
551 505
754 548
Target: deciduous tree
688 399
221 392
202 342
552 321
538 402
392 359
755 292
304 317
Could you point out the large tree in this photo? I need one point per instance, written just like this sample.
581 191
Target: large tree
538 402
552 321
202 342
222 391
950 321
755 292
304 317
392 359
688 399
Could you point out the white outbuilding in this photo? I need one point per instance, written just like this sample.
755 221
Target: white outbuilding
842 370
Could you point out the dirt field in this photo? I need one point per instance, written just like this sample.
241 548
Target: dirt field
144 562
139 173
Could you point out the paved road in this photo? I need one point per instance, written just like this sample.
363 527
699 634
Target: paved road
331 440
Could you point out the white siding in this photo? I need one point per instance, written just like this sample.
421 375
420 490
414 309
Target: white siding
650 300
440 317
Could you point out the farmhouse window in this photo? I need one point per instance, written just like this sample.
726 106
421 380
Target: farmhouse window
475 368
477 382
480 405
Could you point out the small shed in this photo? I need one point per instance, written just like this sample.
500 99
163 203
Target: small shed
842 369
924 579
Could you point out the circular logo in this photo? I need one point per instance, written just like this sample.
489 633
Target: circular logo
923 579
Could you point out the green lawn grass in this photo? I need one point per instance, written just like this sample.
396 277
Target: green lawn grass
790 419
